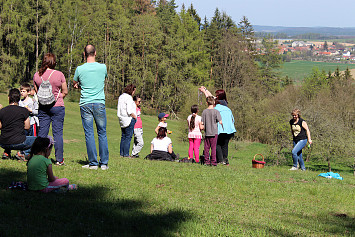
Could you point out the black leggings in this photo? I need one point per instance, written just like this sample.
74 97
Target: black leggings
222 147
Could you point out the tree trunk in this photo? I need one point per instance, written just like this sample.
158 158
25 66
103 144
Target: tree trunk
37 37
155 80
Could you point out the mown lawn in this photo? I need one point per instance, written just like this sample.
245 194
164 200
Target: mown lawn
137 197
298 70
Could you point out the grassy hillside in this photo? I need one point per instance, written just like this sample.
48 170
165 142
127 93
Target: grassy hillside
137 197
297 70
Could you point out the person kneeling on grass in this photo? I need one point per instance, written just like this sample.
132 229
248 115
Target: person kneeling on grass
161 147
39 169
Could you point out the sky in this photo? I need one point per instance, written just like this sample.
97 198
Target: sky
302 13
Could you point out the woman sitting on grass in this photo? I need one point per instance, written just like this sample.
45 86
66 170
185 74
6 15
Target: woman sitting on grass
39 168
161 147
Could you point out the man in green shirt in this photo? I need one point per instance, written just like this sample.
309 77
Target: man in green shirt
90 77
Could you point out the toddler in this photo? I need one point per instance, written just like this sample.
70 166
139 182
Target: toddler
162 122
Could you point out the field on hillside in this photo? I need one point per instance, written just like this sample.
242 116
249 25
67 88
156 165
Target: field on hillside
297 70
137 197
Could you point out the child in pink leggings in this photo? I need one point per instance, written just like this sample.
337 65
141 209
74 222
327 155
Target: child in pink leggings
39 169
195 126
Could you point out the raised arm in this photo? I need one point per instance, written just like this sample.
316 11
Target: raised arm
205 91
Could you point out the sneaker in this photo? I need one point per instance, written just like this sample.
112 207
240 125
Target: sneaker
134 156
21 156
59 163
91 167
72 187
63 189
294 168
104 167
6 156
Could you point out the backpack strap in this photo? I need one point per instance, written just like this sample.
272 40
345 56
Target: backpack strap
58 94
49 76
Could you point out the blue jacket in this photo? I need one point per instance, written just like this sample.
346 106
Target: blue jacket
227 120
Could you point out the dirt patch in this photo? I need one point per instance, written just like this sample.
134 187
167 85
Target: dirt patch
341 215
71 141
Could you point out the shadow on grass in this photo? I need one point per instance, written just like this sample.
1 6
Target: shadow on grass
324 168
337 224
89 211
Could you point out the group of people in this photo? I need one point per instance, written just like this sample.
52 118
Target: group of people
25 121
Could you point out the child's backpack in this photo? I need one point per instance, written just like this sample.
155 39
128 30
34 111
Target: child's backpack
45 94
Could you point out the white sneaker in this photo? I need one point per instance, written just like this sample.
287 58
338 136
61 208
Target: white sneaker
104 167
91 167
294 168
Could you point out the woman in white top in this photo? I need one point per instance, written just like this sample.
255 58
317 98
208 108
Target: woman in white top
161 147
126 113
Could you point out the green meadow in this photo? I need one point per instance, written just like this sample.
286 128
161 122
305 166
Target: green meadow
138 197
297 70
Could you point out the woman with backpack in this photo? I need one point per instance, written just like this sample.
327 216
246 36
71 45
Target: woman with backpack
51 88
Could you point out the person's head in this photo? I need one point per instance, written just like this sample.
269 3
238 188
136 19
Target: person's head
296 113
162 116
137 100
130 89
32 92
42 146
48 62
25 90
162 133
14 96
221 95
89 51
194 109
210 100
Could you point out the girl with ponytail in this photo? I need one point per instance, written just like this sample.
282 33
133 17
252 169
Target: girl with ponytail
195 125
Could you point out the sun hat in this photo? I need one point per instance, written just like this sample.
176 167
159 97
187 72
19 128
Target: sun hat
162 115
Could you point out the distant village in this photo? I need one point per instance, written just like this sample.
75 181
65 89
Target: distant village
316 50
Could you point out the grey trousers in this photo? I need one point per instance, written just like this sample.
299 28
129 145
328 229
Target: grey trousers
138 141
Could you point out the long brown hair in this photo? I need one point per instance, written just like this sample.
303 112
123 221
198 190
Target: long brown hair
49 61
162 133
194 110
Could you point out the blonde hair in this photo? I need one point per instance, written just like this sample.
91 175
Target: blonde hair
296 111
210 100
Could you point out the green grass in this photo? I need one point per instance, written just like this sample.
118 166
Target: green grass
297 70
137 197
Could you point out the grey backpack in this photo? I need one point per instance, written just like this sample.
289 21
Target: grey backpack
45 94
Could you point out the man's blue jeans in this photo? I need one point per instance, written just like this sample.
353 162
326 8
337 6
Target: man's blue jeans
24 146
54 115
126 138
89 113
297 153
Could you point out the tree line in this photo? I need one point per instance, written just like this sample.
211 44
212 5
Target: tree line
164 52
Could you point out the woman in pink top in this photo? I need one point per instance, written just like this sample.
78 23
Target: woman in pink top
54 113
195 126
